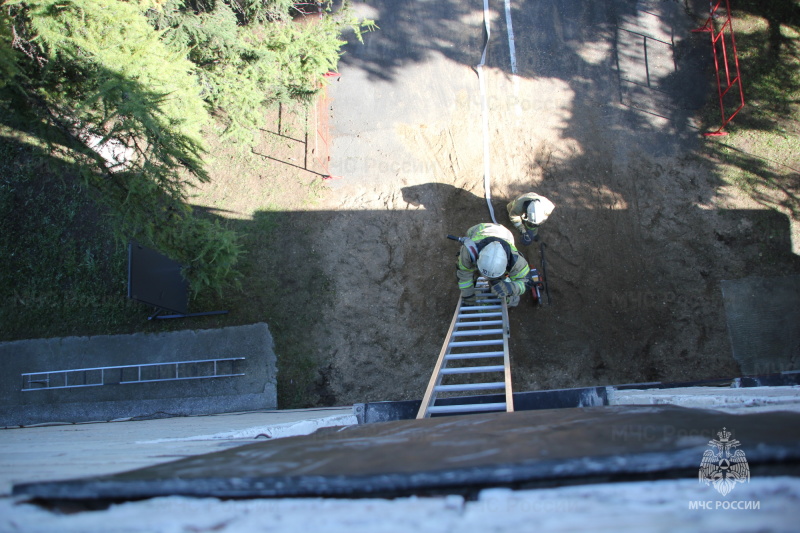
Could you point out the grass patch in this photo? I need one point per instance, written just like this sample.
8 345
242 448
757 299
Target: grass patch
60 264
65 274
761 153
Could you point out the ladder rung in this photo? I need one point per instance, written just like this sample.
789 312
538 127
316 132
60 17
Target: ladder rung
467 408
487 342
473 369
478 316
470 386
473 315
475 332
474 355
480 323
480 307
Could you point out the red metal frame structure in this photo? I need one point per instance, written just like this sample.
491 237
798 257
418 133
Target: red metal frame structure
732 77
322 154
322 127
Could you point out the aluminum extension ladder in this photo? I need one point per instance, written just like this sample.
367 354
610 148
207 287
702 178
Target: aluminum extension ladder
126 374
477 333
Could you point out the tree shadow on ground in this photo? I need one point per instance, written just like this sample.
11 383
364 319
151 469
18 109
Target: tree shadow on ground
777 13
636 77
565 40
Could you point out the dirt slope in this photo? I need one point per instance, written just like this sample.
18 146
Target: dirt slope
643 232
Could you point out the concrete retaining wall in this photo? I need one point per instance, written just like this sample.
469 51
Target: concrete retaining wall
255 390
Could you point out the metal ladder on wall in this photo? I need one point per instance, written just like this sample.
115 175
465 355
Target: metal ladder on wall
477 333
126 374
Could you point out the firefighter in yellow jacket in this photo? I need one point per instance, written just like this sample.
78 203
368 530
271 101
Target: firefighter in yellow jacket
527 213
488 250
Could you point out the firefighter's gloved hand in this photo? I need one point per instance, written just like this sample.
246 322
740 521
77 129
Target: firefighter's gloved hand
531 279
502 288
529 237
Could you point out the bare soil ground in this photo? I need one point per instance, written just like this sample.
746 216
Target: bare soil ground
644 229
635 253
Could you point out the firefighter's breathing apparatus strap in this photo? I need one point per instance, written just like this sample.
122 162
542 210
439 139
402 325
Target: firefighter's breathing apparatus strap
474 249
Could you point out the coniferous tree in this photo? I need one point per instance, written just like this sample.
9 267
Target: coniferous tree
125 87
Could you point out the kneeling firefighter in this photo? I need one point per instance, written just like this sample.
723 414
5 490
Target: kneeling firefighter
488 250
527 213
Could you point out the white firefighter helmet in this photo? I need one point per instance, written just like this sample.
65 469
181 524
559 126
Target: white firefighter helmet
492 260
538 210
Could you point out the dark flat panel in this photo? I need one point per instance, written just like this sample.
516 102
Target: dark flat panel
155 279
764 323
463 452
560 398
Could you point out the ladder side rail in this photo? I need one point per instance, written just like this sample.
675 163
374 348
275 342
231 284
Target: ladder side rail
436 377
134 365
174 379
507 360
176 362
